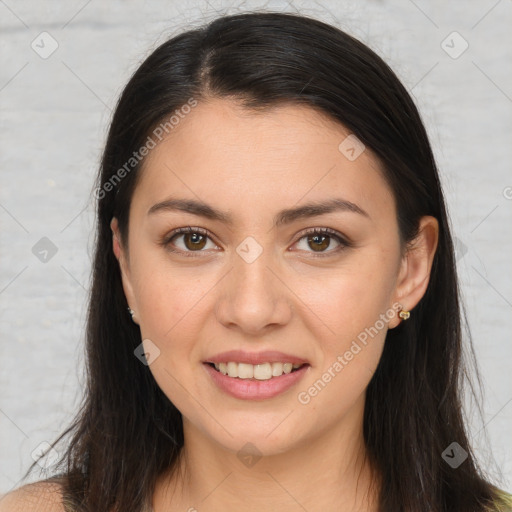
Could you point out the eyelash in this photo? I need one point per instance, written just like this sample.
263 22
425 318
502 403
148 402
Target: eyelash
344 243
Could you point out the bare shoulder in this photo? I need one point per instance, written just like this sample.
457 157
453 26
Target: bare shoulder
35 497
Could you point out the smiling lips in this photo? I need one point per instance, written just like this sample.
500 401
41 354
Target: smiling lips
255 376
252 388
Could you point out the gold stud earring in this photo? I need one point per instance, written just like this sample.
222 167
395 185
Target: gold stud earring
404 314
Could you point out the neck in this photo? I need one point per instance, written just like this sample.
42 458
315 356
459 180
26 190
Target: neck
315 474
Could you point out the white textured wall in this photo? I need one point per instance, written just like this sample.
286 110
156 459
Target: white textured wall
55 113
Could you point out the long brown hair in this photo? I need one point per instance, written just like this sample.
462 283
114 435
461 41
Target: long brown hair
413 410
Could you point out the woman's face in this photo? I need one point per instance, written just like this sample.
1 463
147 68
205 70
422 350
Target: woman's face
259 282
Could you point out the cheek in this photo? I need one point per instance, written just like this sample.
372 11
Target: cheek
353 304
169 296
350 298
171 304
349 351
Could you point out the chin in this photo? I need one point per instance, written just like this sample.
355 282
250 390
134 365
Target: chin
260 438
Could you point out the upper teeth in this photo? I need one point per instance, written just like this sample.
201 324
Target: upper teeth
262 371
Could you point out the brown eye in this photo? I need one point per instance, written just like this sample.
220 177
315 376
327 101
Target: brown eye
187 240
319 241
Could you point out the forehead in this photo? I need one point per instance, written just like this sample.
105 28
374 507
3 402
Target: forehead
225 154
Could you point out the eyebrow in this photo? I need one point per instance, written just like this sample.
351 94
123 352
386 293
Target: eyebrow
286 216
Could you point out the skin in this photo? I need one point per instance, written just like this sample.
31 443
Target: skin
252 165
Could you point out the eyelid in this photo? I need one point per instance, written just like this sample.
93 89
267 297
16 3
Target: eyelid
329 231
341 239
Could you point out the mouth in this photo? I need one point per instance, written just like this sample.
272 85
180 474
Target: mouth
261 386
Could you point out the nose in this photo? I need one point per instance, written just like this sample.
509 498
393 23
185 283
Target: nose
253 297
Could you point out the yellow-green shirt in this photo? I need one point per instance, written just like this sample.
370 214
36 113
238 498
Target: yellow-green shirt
503 503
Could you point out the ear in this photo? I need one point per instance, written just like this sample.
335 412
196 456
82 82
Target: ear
120 253
415 267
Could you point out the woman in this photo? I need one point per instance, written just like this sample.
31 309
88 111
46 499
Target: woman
274 319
